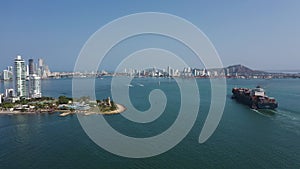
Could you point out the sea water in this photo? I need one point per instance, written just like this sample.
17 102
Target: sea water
245 138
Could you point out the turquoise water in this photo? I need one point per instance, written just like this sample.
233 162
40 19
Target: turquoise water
244 138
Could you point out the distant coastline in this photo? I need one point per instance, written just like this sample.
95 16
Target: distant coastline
284 71
234 71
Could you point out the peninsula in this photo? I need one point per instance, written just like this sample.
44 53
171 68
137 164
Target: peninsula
63 105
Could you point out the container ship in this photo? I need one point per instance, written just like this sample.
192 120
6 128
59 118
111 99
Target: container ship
255 98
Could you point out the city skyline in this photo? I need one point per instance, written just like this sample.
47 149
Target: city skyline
35 72
26 79
252 33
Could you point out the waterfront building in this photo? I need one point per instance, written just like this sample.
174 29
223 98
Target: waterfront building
40 67
10 68
227 72
46 72
9 92
19 77
40 62
43 70
34 86
176 73
31 67
10 96
169 71
7 75
1 96
27 71
215 73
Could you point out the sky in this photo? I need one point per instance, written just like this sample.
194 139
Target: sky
261 34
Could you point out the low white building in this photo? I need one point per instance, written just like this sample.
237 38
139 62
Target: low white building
1 96
9 92
10 96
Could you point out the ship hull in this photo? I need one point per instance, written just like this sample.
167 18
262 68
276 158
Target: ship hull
267 105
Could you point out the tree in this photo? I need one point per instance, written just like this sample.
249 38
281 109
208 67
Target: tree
7 105
113 105
63 100
40 106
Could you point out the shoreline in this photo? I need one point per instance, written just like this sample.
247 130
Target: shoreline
6 112
62 113
121 108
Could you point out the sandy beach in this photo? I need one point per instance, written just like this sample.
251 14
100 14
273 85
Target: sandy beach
120 109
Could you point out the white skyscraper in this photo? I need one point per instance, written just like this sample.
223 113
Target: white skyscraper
6 75
41 62
169 71
34 86
19 77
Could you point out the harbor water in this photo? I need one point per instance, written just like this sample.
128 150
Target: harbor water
245 138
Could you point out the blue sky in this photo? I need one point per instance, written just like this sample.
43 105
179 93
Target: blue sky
260 34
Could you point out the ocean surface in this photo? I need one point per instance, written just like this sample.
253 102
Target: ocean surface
245 138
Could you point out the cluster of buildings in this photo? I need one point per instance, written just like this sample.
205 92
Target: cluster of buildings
235 71
151 72
170 72
26 79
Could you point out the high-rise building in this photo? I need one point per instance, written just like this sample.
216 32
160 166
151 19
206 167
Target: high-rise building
7 75
10 68
46 72
27 70
34 86
19 77
41 62
31 67
169 71
42 69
